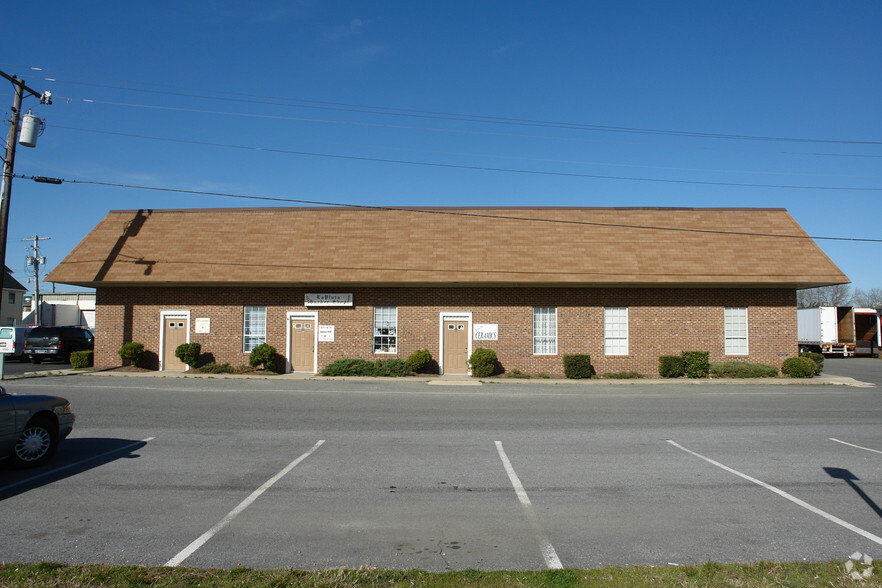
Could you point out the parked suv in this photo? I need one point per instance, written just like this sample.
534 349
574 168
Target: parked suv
57 342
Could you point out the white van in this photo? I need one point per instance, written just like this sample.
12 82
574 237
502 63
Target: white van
12 340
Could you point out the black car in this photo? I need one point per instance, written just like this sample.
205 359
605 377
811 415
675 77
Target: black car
57 342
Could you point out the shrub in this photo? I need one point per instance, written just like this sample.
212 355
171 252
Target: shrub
697 363
263 355
799 367
216 368
349 367
818 358
577 366
419 360
132 353
671 366
622 376
188 353
394 368
740 369
81 359
517 374
483 362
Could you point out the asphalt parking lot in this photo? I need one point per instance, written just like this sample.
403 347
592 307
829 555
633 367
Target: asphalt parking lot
312 474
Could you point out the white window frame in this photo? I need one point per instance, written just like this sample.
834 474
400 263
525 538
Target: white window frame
538 338
614 341
733 338
392 332
253 334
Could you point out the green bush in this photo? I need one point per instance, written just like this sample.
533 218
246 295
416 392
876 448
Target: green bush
818 358
740 369
349 367
188 353
483 362
799 367
394 368
577 366
697 363
81 359
216 368
621 376
419 360
671 366
263 355
132 353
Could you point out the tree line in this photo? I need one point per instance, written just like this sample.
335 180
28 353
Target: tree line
839 295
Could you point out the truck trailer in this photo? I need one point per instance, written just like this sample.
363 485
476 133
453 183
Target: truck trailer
826 329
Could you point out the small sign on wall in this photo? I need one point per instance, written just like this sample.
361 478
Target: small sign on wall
326 333
486 332
328 300
202 325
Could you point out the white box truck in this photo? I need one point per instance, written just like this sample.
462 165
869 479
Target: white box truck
826 329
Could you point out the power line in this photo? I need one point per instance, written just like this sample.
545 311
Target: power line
457 212
494 169
594 163
453 116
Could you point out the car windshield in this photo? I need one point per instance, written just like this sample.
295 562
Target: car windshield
6 333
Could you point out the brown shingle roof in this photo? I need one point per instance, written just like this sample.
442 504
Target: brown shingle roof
449 246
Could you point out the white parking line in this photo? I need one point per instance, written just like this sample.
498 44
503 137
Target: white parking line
203 539
548 552
783 494
856 446
75 464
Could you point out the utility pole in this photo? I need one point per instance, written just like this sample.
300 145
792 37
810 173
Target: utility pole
8 167
36 261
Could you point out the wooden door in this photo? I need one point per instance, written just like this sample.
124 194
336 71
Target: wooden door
175 333
456 347
303 345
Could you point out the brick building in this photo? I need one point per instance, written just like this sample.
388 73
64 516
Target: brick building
624 285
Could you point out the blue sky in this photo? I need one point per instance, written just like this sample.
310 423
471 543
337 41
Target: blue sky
323 101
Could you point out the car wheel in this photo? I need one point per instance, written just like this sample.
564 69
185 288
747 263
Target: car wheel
36 444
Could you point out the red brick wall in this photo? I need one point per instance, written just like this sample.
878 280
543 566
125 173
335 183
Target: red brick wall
661 321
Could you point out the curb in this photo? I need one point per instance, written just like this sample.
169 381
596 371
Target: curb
822 380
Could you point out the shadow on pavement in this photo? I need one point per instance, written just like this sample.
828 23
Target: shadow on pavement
74 456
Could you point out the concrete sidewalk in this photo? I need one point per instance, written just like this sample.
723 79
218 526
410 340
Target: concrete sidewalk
458 380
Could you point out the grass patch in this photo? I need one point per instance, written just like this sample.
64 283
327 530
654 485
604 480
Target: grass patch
740 369
517 374
802 574
621 376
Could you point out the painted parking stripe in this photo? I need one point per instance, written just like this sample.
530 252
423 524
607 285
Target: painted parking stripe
781 493
548 552
856 446
204 538
77 463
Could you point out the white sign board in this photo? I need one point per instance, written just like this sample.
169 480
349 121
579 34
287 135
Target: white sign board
328 300
486 332
326 333
202 325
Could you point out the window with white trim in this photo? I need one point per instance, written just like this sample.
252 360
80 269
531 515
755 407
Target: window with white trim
736 331
254 330
615 330
544 330
385 329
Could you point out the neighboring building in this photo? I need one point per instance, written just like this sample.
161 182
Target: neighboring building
62 308
625 285
13 299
